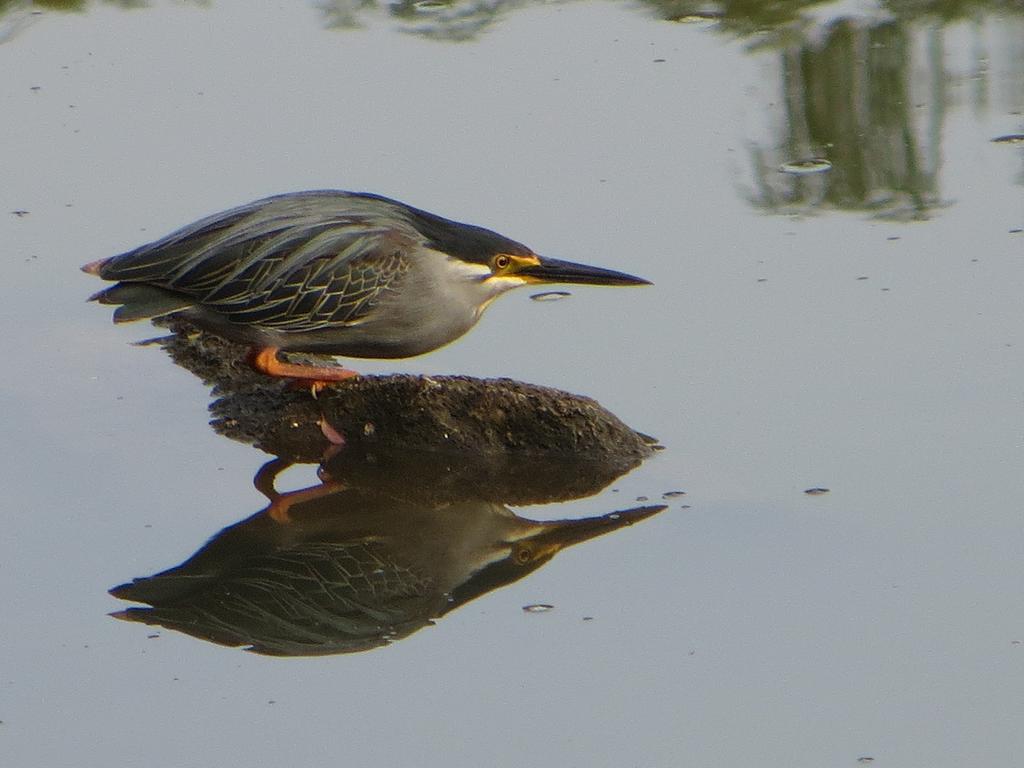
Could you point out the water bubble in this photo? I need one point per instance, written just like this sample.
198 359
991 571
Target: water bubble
816 491
699 17
672 494
550 295
537 607
1010 138
805 167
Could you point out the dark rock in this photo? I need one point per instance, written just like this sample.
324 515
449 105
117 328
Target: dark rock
456 414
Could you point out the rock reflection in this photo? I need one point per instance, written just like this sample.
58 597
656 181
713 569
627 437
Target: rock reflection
381 548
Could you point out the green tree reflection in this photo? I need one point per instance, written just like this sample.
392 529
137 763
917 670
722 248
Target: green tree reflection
865 88
849 99
867 92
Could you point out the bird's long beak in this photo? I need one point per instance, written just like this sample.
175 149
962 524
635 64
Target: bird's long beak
558 271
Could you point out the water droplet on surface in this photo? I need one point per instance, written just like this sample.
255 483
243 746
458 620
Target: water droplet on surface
550 295
537 608
699 17
816 491
805 167
1010 138
672 494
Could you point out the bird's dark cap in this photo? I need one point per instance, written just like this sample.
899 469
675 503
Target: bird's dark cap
465 241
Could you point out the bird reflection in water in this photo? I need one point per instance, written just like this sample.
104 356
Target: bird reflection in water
368 556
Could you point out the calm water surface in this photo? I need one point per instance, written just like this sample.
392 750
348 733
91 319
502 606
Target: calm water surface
835 242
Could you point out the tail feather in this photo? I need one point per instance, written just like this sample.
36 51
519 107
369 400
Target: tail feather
141 302
95 267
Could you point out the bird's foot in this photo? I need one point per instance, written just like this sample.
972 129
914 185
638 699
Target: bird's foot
314 377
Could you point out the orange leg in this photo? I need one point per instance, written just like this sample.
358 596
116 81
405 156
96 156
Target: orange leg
265 360
280 506
266 476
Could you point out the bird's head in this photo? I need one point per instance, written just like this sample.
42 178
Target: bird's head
501 263
487 275
512 269
504 264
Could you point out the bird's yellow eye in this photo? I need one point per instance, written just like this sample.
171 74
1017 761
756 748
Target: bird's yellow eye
502 262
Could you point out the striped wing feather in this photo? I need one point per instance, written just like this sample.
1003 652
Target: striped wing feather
294 263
